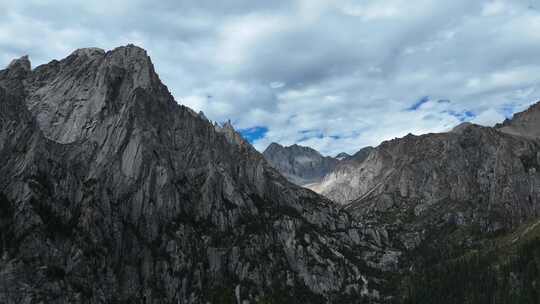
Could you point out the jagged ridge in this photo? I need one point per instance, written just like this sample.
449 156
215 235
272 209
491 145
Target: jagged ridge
112 192
301 165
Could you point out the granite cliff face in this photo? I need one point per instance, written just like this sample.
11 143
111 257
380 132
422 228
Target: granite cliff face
112 192
301 165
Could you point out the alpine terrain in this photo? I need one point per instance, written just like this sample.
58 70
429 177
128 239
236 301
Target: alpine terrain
112 192
301 165
459 210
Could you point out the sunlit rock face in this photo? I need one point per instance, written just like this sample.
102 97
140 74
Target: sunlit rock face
112 192
301 165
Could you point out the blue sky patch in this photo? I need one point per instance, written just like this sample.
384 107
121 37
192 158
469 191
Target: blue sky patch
462 116
418 104
253 134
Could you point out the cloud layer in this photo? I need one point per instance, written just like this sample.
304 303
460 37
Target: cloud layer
333 75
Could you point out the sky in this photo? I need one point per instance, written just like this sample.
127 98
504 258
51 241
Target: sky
333 75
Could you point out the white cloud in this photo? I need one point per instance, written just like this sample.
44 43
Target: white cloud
495 7
240 34
277 85
489 118
336 75
375 10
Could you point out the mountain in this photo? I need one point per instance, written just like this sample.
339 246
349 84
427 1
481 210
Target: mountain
479 176
342 156
526 123
342 184
111 192
301 165
456 212
451 199
473 176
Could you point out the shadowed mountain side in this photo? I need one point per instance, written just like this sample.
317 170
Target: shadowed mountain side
112 192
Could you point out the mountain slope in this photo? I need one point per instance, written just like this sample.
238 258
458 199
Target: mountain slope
342 184
478 177
443 202
504 270
342 156
526 123
112 192
440 197
301 165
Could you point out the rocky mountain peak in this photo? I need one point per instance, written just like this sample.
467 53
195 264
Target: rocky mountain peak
362 154
88 52
461 127
301 165
526 123
304 149
22 63
230 133
273 147
14 74
228 125
122 195
342 156
72 97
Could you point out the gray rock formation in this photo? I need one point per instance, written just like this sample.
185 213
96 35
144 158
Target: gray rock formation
347 180
112 192
480 175
526 123
301 165
342 156
439 195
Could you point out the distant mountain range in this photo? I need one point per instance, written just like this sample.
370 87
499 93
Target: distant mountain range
301 165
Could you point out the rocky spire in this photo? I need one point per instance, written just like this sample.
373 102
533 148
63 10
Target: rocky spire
12 77
77 93
22 63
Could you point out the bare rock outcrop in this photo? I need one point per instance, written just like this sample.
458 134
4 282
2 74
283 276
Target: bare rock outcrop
112 192
526 123
301 165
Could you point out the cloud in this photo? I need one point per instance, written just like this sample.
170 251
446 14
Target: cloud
334 75
489 118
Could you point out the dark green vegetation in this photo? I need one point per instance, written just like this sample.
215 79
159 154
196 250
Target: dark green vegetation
507 272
